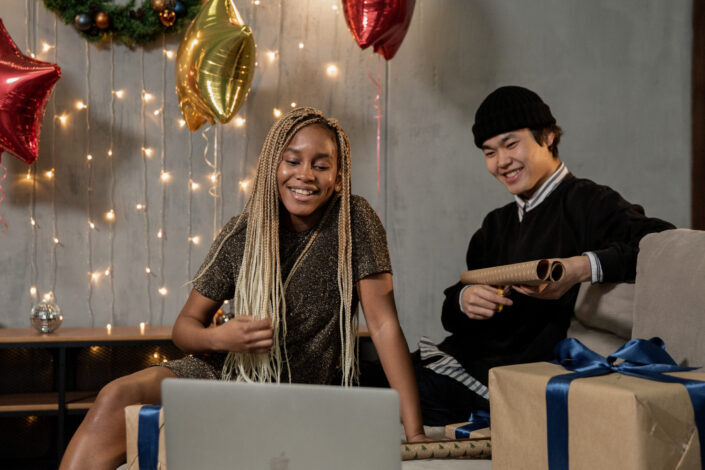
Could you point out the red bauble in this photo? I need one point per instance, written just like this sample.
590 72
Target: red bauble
25 86
381 24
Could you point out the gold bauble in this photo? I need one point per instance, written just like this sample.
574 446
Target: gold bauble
102 20
167 17
215 64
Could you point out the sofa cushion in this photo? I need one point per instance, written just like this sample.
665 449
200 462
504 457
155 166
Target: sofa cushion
669 300
606 307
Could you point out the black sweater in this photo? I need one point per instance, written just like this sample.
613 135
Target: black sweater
578 216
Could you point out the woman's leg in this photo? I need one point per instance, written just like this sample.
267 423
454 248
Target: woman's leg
99 442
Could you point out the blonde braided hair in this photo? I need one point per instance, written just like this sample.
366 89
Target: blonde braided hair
259 289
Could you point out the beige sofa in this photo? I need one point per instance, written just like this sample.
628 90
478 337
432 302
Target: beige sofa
667 300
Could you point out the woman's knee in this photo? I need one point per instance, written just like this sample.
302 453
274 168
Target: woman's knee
140 387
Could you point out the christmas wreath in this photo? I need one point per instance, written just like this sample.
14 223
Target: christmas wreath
99 20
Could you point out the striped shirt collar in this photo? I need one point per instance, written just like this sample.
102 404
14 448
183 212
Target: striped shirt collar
524 206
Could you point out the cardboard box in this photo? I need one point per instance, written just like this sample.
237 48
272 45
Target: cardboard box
615 421
132 414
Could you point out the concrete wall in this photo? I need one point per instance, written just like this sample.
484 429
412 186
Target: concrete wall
615 73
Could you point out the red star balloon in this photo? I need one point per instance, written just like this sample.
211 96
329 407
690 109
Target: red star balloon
381 24
25 86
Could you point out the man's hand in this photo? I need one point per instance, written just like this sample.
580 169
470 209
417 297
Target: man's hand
577 269
244 334
481 302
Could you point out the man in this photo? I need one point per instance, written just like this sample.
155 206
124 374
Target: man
590 228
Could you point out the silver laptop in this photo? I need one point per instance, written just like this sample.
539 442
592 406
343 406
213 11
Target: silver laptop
225 425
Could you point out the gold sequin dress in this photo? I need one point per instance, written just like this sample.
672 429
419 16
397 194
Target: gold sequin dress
312 297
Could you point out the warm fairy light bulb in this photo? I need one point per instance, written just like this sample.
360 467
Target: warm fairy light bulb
109 328
163 291
243 185
239 122
80 105
147 270
119 93
143 325
157 111
277 112
48 296
32 221
147 97
63 119
271 55
301 45
332 70
334 7
46 46
95 276
31 54
33 291
214 177
195 240
293 104
89 157
160 234
147 151
194 186
169 54
49 174
107 272
110 215
91 225
139 207
165 176
28 176
256 2
56 241
155 355
182 123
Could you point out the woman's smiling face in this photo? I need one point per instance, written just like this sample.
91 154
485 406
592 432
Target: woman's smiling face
307 176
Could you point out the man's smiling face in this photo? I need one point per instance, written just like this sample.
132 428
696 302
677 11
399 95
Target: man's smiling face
519 162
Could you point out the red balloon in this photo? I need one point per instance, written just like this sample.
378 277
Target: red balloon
381 24
25 86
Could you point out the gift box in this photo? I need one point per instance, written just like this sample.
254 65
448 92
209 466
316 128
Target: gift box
455 431
146 448
612 421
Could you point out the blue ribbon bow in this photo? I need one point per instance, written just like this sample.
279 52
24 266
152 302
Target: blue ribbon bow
478 420
148 437
639 358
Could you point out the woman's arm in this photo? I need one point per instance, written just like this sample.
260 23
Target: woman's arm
192 333
376 294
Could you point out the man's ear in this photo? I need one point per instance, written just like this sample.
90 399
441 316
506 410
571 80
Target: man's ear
550 136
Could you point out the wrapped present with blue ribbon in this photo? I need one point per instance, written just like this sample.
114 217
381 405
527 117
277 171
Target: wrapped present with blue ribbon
635 409
477 426
144 425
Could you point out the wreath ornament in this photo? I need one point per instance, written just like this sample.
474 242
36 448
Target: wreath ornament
102 20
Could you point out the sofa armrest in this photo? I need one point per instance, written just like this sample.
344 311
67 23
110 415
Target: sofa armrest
669 300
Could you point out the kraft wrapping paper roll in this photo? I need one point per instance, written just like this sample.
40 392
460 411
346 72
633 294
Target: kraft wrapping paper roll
530 273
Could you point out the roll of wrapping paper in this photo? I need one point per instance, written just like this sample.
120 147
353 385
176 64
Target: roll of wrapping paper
530 273
452 449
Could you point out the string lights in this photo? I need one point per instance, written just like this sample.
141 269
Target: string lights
101 208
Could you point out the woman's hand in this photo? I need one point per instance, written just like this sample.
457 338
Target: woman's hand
244 334
192 332
481 302
421 437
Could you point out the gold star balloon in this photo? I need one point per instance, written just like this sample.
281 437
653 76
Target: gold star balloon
214 64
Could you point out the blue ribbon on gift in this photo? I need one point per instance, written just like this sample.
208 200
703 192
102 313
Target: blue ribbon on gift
478 420
646 359
148 437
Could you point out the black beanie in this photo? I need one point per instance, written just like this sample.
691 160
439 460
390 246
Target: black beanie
507 109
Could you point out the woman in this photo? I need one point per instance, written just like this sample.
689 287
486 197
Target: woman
295 262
